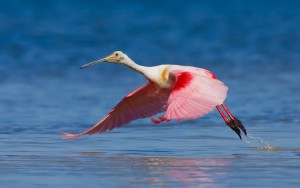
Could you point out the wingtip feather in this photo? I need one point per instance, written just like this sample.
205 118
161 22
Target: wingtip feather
68 136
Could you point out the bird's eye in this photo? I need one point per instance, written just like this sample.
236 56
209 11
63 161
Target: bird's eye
116 54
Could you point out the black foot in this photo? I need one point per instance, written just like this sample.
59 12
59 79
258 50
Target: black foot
240 125
234 127
234 123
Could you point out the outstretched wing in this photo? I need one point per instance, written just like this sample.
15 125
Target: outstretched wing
146 101
194 94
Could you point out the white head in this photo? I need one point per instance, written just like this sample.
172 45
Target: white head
116 57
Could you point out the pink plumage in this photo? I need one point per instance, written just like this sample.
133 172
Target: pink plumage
181 92
146 101
193 95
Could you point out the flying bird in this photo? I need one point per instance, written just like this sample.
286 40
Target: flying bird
180 92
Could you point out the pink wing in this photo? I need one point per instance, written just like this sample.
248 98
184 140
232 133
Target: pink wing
146 101
194 94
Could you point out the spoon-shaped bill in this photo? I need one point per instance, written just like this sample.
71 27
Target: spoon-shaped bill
92 63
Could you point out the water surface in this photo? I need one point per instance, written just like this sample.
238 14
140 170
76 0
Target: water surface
252 46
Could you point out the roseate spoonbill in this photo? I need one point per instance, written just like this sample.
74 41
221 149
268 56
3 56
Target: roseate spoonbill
181 92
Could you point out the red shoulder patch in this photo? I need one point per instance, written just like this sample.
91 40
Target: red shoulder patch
182 81
211 74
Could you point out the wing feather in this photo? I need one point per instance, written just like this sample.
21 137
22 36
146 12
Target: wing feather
197 96
146 101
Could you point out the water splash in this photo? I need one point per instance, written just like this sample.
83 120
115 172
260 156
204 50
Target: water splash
259 143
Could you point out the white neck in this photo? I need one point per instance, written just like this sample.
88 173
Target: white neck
131 64
151 73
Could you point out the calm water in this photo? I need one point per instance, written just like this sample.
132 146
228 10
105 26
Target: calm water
252 46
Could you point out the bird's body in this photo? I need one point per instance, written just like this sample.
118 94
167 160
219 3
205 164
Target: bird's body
181 92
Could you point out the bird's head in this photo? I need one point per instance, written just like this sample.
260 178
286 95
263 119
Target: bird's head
115 57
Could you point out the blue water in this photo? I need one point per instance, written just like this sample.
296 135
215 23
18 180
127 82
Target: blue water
252 46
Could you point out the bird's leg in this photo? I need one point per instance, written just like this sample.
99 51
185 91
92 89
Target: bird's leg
236 121
159 120
230 122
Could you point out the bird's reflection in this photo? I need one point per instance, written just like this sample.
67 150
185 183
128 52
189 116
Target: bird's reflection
170 172
195 171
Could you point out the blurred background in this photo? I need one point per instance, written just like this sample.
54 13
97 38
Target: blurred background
252 46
